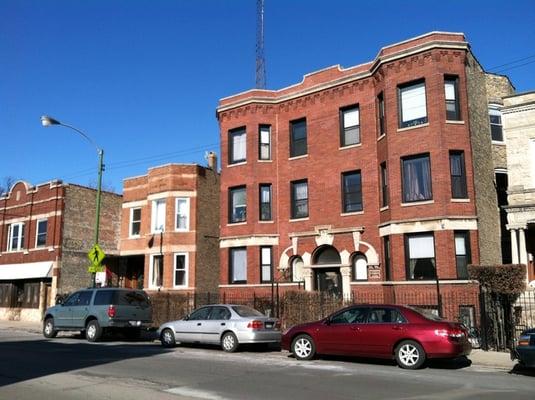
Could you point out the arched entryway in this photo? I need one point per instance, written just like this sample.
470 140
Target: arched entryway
326 262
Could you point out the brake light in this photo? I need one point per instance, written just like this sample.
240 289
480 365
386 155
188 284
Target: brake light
523 341
111 311
449 333
255 324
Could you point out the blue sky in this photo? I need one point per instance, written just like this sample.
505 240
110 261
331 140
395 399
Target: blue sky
143 78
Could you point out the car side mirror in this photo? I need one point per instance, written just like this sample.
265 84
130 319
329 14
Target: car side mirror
186 318
327 321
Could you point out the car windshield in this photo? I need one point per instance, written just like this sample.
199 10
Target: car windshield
426 312
244 311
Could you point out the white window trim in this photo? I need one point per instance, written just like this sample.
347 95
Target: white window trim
177 229
10 237
37 232
186 268
153 215
130 234
151 266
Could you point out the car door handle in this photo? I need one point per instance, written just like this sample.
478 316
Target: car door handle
223 324
397 328
199 324
355 328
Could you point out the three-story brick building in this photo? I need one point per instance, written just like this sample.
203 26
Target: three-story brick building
364 181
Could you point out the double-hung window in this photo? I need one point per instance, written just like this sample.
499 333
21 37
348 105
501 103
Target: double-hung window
462 253
416 172
381 113
299 199
15 240
238 265
181 270
265 202
135 221
458 175
182 214
420 256
237 146
451 92
238 204
496 131
264 142
351 192
158 215
266 266
298 138
412 104
41 233
388 266
384 185
349 126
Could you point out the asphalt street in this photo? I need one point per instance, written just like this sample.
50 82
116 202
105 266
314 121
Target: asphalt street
68 367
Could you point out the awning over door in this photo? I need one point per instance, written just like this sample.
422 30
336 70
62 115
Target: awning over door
9 272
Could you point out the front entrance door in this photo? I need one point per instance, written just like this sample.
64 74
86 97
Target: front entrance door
329 280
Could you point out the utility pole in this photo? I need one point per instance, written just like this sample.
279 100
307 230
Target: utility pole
260 61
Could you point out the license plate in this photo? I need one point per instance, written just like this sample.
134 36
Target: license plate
269 325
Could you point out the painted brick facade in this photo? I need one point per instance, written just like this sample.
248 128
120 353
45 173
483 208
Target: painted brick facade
319 98
197 243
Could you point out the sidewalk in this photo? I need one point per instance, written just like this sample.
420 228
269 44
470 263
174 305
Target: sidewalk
479 358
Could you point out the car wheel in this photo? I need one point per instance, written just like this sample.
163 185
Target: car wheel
167 337
93 331
49 330
229 342
303 347
410 355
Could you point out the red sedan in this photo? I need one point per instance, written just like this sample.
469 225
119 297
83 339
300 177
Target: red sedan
379 331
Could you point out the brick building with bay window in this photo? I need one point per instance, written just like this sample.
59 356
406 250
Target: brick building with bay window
366 181
169 229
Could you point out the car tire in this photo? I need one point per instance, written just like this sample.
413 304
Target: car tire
410 355
229 342
49 330
167 338
93 331
303 347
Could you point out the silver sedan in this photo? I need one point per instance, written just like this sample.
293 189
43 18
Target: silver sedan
228 325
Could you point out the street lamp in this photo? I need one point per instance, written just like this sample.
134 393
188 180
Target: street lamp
49 121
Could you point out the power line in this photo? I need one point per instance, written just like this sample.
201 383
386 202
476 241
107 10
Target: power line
514 66
511 62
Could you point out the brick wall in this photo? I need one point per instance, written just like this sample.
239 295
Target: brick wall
79 231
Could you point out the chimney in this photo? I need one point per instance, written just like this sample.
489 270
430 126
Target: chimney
212 160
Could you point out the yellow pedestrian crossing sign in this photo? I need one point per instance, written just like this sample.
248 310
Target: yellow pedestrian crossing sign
95 255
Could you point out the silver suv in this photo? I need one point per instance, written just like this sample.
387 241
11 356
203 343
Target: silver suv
95 310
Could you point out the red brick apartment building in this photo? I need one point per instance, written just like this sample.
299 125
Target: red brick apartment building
169 229
45 233
363 180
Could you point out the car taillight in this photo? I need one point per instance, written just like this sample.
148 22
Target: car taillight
523 341
255 324
449 333
111 311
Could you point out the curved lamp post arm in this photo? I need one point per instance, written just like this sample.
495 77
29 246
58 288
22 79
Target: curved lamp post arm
48 121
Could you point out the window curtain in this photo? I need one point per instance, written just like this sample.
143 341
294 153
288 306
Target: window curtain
239 142
266 264
417 179
239 265
182 217
422 257
157 271
413 102
351 118
449 89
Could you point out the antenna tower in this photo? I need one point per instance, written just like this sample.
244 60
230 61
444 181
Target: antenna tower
260 61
